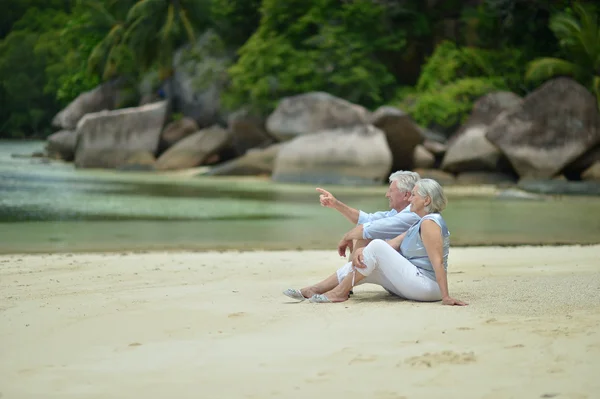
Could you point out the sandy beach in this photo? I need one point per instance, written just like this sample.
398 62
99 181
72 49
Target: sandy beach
215 325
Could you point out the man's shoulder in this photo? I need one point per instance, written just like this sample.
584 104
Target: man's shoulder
407 211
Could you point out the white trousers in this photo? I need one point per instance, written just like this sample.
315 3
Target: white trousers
387 268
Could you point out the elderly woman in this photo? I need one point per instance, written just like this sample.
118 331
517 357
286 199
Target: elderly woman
412 265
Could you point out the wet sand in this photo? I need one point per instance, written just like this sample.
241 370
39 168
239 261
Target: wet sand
215 325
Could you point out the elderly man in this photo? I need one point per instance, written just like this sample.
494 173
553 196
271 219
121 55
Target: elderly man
382 225
370 226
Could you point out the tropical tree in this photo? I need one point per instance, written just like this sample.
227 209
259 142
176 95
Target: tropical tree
156 28
578 34
111 57
235 20
25 54
318 45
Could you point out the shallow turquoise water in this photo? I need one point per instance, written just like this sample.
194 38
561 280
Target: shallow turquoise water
55 208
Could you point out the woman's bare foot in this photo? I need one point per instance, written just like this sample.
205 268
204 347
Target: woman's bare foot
336 296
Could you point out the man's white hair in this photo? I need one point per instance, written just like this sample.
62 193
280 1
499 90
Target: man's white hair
432 189
405 180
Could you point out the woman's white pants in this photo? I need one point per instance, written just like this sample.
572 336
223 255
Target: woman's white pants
387 268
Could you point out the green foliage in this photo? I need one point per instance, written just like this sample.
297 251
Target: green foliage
109 56
450 105
14 10
235 20
316 45
24 56
67 50
155 28
578 34
44 62
449 63
361 50
454 77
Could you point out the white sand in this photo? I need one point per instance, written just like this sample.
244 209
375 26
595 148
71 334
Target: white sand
215 325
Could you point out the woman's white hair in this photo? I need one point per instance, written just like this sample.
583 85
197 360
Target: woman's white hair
432 189
405 180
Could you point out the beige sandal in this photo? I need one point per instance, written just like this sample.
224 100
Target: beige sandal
294 294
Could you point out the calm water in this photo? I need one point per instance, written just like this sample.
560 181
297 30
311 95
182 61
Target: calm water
55 208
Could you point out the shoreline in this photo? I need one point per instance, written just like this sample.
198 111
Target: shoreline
217 249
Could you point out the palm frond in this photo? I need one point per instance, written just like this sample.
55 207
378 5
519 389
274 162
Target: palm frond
132 30
189 29
98 55
145 9
167 29
101 51
596 88
116 33
546 68
100 15
116 61
589 35
565 27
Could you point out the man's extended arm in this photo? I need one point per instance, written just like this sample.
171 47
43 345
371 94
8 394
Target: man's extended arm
328 200
355 216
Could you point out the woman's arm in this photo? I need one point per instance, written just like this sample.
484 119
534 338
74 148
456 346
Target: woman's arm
396 241
431 234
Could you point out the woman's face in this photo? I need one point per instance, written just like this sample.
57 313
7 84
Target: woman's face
417 203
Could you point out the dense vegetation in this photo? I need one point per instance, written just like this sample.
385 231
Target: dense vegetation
431 58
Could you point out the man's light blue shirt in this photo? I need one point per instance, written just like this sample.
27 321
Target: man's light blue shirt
388 224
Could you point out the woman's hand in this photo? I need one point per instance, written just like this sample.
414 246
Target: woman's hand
453 302
358 258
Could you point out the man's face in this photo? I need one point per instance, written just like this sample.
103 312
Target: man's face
398 199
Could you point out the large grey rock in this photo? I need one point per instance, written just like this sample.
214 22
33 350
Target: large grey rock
443 178
177 130
194 150
592 173
103 97
108 139
575 169
422 158
247 131
487 108
258 161
199 79
556 124
471 151
138 161
61 145
435 147
402 134
313 112
351 155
